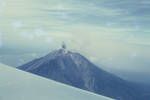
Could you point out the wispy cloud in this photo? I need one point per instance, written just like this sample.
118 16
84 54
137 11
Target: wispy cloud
1 43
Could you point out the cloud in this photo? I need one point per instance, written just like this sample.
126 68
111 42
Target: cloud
39 32
34 34
1 40
49 40
61 35
27 35
17 24
2 5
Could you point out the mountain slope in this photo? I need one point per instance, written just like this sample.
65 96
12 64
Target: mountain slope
75 70
19 85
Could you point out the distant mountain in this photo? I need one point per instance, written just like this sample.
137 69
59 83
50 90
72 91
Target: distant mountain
19 85
75 70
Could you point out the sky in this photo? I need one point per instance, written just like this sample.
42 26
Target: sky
113 34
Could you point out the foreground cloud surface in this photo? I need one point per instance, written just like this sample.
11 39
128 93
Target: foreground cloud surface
19 85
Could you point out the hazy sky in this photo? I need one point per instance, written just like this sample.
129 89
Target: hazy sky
112 33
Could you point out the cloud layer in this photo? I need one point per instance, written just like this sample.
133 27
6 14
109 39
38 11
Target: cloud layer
1 40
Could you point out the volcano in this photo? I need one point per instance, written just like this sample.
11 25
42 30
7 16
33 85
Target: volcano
73 69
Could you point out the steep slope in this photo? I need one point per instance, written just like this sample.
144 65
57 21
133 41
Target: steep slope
75 70
19 85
